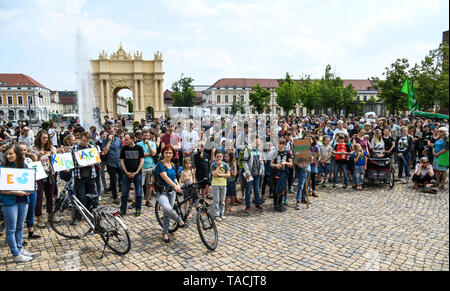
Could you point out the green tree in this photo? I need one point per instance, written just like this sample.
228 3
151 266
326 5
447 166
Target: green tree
130 106
234 107
431 79
349 98
390 88
307 93
242 107
183 92
287 94
259 98
330 91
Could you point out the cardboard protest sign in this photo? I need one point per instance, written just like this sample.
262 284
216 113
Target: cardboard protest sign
302 150
12 179
62 162
87 157
40 172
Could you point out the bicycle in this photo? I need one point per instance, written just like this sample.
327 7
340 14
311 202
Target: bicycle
206 225
72 220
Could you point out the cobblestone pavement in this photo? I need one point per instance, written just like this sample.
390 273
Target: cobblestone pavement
374 229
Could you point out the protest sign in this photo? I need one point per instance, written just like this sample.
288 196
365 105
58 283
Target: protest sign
40 172
302 150
87 157
62 162
13 179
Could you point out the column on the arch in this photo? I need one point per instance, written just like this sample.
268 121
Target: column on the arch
102 96
156 103
108 99
141 107
135 95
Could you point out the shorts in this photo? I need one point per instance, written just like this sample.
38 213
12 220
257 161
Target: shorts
326 169
203 184
231 189
147 175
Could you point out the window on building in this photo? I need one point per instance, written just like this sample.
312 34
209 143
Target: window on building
218 98
10 100
218 111
242 99
18 83
253 111
365 98
20 100
226 98
30 99
234 98
1 99
226 110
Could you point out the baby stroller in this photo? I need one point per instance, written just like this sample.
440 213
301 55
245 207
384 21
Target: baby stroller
380 169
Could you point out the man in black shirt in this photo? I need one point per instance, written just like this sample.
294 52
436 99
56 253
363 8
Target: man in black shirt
389 143
131 160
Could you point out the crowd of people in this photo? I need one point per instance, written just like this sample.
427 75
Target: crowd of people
158 157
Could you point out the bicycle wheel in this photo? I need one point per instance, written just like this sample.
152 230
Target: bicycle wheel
392 179
115 234
207 229
159 213
67 221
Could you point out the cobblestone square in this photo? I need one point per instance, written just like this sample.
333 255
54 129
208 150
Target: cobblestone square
374 229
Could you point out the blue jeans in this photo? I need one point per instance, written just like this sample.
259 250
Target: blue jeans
358 175
403 164
126 182
14 218
82 187
98 182
30 212
336 173
255 185
301 191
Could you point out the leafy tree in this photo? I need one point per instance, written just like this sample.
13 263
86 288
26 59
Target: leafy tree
431 79
183 92
130 106
234 107
241 107
308 93
390 88
349 98
330 91
259 98
287 94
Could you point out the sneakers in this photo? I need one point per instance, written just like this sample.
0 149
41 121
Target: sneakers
217 218
31 235
122 213
132 205
222 217
247 210
116 201
26 253
40 222
138 213
21 259
314 194
148 204
297 206
324 185
259 207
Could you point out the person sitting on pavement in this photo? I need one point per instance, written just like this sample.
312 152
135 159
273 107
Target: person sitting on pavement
423 173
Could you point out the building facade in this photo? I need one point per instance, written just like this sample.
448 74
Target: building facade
68 102
23 98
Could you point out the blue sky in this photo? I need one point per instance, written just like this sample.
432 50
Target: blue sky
210 40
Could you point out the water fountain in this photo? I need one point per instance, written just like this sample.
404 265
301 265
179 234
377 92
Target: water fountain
87 107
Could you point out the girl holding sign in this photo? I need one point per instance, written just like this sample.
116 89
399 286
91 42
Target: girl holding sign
15 207
43 148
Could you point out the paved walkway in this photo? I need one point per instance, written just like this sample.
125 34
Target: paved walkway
375 229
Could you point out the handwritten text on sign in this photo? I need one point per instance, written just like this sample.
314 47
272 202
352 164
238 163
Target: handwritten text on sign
62 162
40 172
12 179
302 149
87 157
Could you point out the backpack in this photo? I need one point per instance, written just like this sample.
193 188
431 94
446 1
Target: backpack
241 157
341 148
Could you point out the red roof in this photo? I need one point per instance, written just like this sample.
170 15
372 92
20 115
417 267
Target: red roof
246 83
22 79
168 97
359 85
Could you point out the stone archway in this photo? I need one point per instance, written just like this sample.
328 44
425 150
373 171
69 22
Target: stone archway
121 70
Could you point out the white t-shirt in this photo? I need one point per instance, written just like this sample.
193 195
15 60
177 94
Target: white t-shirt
338 131
54 138
423 171
189 139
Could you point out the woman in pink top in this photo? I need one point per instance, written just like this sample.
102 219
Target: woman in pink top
362 140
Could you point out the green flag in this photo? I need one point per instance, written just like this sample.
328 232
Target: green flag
412 101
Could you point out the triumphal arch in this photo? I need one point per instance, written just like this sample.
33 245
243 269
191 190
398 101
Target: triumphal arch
121 70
